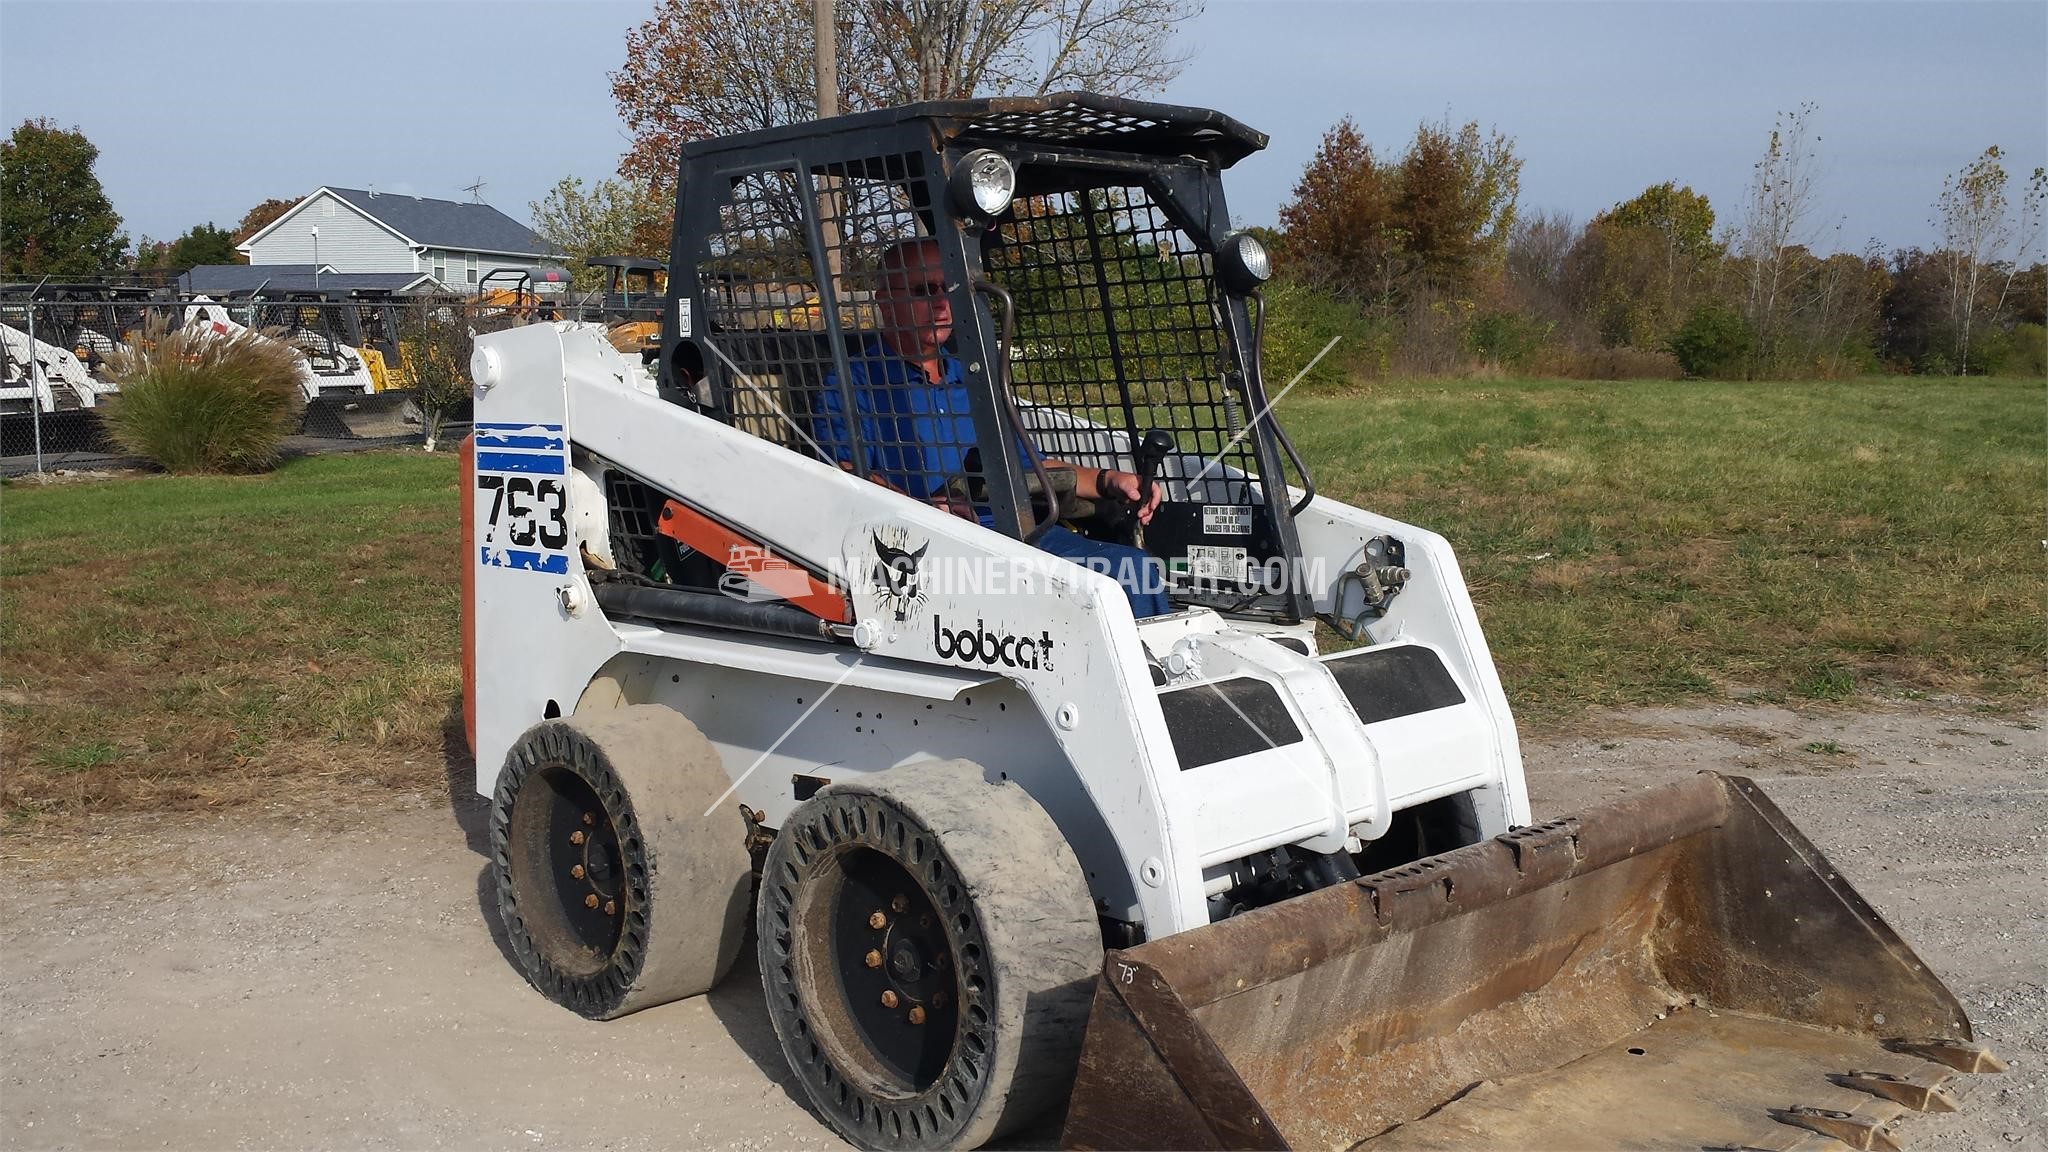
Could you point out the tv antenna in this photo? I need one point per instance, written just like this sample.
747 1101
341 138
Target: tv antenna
476 191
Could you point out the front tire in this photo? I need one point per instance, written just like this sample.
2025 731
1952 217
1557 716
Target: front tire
929 953
616 889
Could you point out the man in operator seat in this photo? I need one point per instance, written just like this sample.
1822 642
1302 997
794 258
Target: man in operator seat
917 426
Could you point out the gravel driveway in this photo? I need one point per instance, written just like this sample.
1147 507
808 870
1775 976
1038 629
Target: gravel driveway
329 978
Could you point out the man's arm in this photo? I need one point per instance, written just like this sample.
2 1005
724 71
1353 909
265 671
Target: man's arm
1090 484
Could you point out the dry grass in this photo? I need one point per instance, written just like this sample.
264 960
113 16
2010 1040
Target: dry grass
178 642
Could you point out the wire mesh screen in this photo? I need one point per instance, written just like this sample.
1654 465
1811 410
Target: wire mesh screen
1118 325
878 298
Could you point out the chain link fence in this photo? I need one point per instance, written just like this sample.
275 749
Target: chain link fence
61 350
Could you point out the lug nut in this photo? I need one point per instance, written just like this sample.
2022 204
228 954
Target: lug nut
873 958
900 903
611 907
576 837
576 870
589 819
590 901
924 921
938 999
888 998
877 921
916 1014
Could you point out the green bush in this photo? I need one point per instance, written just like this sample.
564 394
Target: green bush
1300 320
1504 339
195 400
1715 341
2022 352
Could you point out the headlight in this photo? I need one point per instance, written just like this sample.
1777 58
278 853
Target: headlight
984 183
1243 262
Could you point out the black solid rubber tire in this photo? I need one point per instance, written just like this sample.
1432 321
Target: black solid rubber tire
1017 915
687 876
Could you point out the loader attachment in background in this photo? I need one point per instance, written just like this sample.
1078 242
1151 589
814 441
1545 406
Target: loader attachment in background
1681 969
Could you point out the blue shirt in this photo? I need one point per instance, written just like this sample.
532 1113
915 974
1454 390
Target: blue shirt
914 433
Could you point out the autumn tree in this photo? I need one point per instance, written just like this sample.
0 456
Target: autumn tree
55 219
618 217
1539 247
700 68
260 217
1338 225
1455 203
1977 227
1636 270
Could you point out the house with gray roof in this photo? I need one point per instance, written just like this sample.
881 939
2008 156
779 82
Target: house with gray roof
354 231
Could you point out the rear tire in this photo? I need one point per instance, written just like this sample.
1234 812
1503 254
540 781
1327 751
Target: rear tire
617 891
960 1016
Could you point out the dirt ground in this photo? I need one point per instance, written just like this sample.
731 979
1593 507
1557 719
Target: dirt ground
281 980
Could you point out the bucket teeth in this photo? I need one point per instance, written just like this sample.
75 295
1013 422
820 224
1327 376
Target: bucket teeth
1864 1133
1961 1055
1922 1093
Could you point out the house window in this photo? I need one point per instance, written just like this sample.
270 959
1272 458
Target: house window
441 267
470 260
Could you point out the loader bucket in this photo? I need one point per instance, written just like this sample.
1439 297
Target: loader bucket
1681 969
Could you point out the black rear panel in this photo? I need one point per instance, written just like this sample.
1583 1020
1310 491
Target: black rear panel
1398 680
1224 719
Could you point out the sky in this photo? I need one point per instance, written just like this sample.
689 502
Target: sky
203 109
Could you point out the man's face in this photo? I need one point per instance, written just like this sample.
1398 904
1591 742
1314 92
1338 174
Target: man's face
916 314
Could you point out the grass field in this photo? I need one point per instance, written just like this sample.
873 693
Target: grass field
1652 541
177 642
174 642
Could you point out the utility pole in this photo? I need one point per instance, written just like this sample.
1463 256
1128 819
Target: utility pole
826 30
828 58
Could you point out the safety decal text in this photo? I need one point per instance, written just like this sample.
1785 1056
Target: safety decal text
1226 520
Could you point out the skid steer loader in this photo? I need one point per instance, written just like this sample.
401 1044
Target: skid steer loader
776 635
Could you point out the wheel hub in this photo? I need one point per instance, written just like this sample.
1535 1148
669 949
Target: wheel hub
896 967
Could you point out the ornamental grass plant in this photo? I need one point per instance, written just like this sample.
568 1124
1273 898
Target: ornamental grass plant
201 399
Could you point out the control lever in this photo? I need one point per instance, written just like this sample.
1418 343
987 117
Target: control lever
1153 449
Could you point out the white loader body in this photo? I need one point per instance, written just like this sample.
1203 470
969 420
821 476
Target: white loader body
1045 680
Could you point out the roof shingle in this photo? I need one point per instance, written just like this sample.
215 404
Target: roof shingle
447 223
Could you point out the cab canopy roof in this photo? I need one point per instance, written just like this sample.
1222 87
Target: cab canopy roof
1076 120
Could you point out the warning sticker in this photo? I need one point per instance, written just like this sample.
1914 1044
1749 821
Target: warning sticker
683 316
1226 519
1210 563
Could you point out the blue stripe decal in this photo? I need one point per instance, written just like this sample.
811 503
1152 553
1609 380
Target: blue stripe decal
549 463
556 563
502 440
520 427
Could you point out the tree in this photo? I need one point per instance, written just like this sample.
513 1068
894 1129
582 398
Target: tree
202 244
1455 207
1777 221
1977 226
258 218
55 219
612 218
1683 217
1339 222
436 340
700 68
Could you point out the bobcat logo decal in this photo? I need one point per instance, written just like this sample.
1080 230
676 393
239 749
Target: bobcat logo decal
896 574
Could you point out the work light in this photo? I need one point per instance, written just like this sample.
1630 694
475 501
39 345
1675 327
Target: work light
1244 262
984 182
